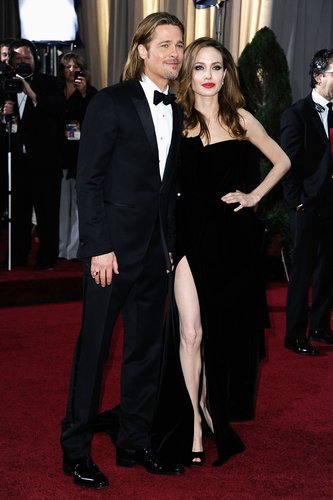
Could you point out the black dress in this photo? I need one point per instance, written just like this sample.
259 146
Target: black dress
224 252
74 109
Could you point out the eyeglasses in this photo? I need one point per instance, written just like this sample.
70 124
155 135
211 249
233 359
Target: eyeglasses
328 72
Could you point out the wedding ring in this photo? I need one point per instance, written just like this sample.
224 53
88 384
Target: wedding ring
96 273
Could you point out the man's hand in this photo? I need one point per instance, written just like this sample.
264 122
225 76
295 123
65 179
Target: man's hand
28 90
8 108
102 267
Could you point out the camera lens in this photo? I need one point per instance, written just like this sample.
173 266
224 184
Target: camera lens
23 69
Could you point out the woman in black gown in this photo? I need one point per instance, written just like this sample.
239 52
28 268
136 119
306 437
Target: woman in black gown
218 285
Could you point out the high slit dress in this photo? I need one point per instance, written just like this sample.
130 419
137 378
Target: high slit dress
224 250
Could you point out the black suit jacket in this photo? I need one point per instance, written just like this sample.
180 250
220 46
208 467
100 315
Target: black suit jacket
40 128
304 140
120 192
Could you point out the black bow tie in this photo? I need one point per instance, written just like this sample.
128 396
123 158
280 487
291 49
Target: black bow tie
165 98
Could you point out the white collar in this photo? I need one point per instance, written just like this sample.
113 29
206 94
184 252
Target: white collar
317 98
149 87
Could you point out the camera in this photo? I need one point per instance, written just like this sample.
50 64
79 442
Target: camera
77 74
24 70
9 83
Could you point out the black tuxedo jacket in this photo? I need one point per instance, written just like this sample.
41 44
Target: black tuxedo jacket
40 128
120 192
304 140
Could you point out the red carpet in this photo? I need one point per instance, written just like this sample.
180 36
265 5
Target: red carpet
24 285
289 444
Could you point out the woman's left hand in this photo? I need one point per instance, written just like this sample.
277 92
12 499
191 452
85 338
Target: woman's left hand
81 84
245 200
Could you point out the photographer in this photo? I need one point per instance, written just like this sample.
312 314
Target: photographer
3 146
77 92
4 45
34 114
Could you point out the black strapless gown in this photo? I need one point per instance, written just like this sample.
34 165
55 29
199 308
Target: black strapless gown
224 251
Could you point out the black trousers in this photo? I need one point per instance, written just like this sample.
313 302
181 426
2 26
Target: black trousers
312 264
141 295
38 188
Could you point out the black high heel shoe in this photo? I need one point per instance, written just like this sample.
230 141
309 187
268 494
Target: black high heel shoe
196 454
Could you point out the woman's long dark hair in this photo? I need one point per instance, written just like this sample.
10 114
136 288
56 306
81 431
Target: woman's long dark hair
230 97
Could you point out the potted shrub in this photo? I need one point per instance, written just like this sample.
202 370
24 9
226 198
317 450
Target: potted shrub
264 77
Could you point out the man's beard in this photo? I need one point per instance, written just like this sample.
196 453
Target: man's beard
171 75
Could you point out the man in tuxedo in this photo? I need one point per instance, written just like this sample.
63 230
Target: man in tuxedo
34 114
306 136
126 190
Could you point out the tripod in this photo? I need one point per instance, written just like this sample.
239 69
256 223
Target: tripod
220 21
9 166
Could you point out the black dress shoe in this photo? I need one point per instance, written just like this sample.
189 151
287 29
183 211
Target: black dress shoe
146 458
321 336
300 346
85 472
14 263
43 266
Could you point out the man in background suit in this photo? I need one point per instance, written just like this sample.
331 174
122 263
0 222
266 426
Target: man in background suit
36 133
4 46
125 186
3 140
308 190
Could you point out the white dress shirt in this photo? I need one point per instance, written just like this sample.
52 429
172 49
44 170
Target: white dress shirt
162 118
21 100
322 108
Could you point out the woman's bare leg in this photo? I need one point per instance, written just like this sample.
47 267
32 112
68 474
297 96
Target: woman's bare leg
203 397
190 341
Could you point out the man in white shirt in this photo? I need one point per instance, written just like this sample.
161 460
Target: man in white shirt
126 188
308 190
36 132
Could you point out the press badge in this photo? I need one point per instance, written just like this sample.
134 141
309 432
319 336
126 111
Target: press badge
72 131
13 125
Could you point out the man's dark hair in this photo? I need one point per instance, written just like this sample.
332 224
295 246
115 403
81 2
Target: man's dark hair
23 42
319 64
6 42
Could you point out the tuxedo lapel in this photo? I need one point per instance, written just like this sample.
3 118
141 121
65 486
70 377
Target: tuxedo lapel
28 107
170 161
142 107
141 104
313 116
